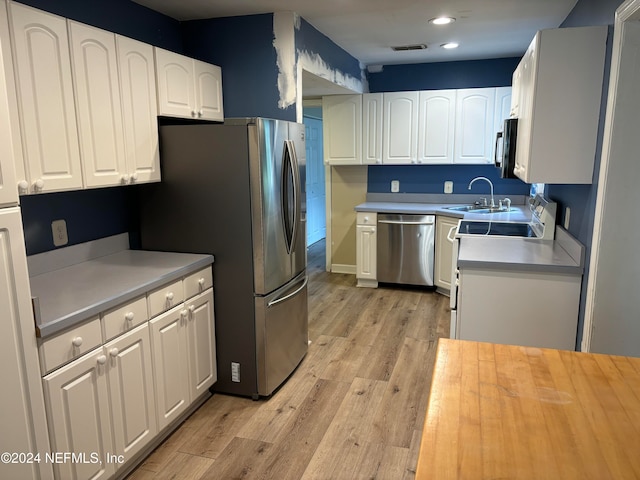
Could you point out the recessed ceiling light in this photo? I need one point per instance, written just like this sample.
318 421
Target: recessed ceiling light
442 20
449 45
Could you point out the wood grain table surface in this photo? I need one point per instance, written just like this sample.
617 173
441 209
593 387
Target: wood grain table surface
508 412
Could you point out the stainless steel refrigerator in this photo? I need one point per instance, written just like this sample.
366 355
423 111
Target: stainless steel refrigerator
236 191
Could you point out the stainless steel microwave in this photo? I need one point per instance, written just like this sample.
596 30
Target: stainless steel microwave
505 151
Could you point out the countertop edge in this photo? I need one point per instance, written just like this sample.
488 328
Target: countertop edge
79 316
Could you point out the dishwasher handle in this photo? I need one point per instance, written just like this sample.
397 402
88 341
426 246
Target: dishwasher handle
404 222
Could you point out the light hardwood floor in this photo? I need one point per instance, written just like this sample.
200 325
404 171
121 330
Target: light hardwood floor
354 407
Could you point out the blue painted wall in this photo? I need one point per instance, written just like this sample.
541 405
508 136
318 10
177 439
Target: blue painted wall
442 75
581 199
243 47
437 76
120 16
309 39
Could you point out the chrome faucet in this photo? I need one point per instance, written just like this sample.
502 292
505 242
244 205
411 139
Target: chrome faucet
490 184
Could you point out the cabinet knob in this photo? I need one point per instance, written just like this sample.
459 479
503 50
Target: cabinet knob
192 308
134 177
184 313
23 186
194 113
102 359
77 341
201 283
129 316
125 179
169 296
366 219
200 113
378 161
114 352
38 184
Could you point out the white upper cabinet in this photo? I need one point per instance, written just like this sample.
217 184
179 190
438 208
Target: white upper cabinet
560 89
208 89
139 110
342 129
188 88
400 128
474 130
436 125
97 93
45 101
372 128
8 190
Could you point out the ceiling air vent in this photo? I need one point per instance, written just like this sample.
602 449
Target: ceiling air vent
406 48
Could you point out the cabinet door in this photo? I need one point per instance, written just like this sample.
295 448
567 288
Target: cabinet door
22 418
443 252
46 102
176 87
400 128
366 251
170 363
97 88
342 129
436 123
208 89
131 391
501 111
474 126
372 128
525 115
139 109
201 344
8 190
77 399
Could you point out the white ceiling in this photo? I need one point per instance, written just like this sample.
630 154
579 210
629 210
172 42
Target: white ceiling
368 28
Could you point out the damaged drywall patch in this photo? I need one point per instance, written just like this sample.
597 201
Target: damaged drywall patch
284 44
313 63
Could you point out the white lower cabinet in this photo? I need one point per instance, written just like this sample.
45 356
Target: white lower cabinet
366 249
184 355
107 402
77 400
443 252
170 364
201 344
133 406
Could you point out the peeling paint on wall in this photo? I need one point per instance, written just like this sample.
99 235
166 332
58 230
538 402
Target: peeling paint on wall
291 62
284 44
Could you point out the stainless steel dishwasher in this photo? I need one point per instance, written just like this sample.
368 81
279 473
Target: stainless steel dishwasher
405 248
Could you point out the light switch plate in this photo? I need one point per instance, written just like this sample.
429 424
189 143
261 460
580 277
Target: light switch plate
395 186
448 186
59 231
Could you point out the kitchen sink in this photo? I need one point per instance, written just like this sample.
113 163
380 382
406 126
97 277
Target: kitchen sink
480 209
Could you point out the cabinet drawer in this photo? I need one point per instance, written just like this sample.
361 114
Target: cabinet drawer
198 282
164 298
125 317
366 218
70 344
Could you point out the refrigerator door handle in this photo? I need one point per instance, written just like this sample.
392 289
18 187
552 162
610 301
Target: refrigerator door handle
290 167
288 296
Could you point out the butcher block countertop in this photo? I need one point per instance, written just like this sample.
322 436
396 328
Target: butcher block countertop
509 412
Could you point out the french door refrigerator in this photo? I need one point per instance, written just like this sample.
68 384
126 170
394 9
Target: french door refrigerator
236 191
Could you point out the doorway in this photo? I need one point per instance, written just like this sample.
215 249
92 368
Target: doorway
315 181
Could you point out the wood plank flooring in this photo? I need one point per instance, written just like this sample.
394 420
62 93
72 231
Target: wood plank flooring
353 409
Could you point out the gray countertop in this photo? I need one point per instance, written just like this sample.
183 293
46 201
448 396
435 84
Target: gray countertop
563 255
68 296
520 213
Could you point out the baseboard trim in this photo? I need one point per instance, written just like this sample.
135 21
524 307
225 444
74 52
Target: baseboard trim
341 268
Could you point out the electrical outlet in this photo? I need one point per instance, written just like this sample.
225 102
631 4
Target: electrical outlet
235 372
59 231
395 186
448 186
567 216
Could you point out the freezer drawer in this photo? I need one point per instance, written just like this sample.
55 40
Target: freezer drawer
281 333
405 251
